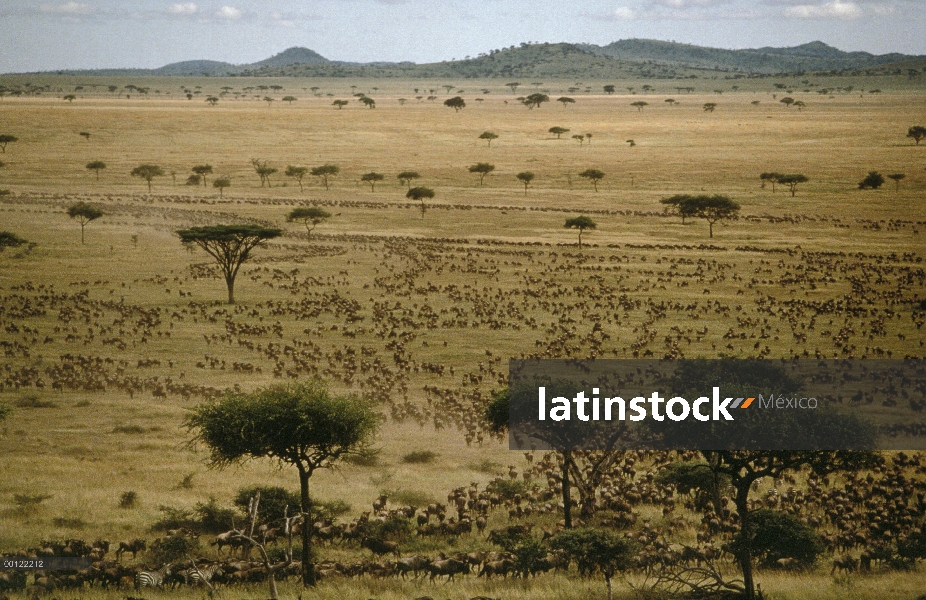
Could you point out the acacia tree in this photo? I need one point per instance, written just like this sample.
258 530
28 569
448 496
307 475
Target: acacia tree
368 102
558 131
300 424
565 101
773 177
535 100
787 101
202 171
482 169
263 170
372 178
596 550
419 194
229 245
488 136
289 99
296 173
325 171
594 175
220 183
896 177
679 206
873 180
84 213
710 208
609 89
525 177
456 103
791 180
639 104
96 166
340 103
147 172
10 240
917 132
308 216
406 177
581 223
8 139
709 106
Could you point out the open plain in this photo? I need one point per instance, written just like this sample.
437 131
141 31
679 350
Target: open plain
419 306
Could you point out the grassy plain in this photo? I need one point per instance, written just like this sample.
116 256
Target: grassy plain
458 281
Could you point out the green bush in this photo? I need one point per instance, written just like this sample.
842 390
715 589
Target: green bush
33 401
172 549
273 501
212 518
873 180
410 498
509 488
779 535
174 518
419 457
369 457
69 522
691 477
395 528
128 499
29 502
489 467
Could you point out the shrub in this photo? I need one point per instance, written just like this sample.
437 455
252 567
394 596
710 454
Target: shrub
419 457
366 458
172 549
29 502
873 180
33 401
128 499
781 535
410 497
331 509
509 488
212 518
187 482
394 528
69 522
174 518
273 501
691 477
487 466
131 429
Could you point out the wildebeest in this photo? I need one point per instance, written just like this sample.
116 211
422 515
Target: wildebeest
379 547
448 567
135 546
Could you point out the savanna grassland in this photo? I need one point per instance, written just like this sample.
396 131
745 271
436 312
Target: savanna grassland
419 307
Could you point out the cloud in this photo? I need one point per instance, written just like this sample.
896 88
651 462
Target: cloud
228 12
69 8
624 14
183 9
831 10
682 4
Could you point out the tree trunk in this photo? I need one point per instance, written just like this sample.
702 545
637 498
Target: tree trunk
81 233
580 239
710 229
745 557
567 502
610 588
230 282
308 569
149 186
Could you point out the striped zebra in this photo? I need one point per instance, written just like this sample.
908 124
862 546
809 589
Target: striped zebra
205 575
153 579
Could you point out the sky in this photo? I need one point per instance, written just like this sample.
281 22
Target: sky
89 34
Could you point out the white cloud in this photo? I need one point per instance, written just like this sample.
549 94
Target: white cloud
228 12
69 8
183 9
688 3
624 14
831 10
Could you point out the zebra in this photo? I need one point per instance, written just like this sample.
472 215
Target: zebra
205 574
154 579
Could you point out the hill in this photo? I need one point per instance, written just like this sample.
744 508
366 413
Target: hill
813 56
290 56
196 68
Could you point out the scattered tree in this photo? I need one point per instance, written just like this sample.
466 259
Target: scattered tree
368 102
263 170
488 136
710 106
10 240
308 216
596 550
70 98
588 136
773 177
896 177
581 223
147 172
420 194
917 132
525 177
221 183
8 139
456 103
535 100
212 100
84 213
296 173
579 138
639 104
631 143
96 166
229 245
678 205
565 101
406 177
202 171
299 424
289 99
514 86
340 103
710 208
787 101
558 131
791 180
799 104
873 180
609 89
372 178
324 172
85 135
593 175
482 169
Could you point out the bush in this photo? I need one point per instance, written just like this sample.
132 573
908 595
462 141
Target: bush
69 522
331 509
29 502
489 467
411 497
595 549
273 501
172 549
369 457
509 488
691 477
874 180
781 535
174 518
212 518
395 528
128 499
187 482
419 457
32 401
132 429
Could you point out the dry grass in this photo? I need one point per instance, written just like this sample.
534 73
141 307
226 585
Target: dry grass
93 446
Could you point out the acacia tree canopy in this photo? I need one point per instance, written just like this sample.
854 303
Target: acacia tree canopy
229 245
581 223
84 213
299 424
308 215
10 240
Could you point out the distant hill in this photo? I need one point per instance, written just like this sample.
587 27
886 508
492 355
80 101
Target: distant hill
624 58
814 56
